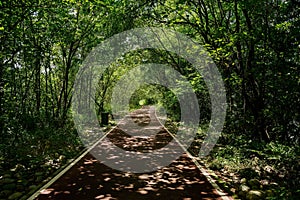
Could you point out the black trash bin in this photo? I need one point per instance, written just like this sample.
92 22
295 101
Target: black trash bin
104 118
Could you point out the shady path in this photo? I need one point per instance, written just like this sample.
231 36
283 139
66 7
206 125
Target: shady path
90 177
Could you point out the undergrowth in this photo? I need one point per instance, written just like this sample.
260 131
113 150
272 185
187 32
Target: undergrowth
30 161
275 165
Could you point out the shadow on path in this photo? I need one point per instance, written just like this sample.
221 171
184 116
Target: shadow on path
91 179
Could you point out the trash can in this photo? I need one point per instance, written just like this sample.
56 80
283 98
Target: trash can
104 118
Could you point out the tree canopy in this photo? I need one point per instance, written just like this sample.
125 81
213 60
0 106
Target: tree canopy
255 45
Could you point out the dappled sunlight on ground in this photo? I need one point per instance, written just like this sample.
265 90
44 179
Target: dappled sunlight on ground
93 179
89 179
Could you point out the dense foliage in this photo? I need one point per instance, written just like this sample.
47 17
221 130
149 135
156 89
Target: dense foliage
255 45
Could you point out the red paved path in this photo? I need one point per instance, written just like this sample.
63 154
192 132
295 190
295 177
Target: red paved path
91 179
